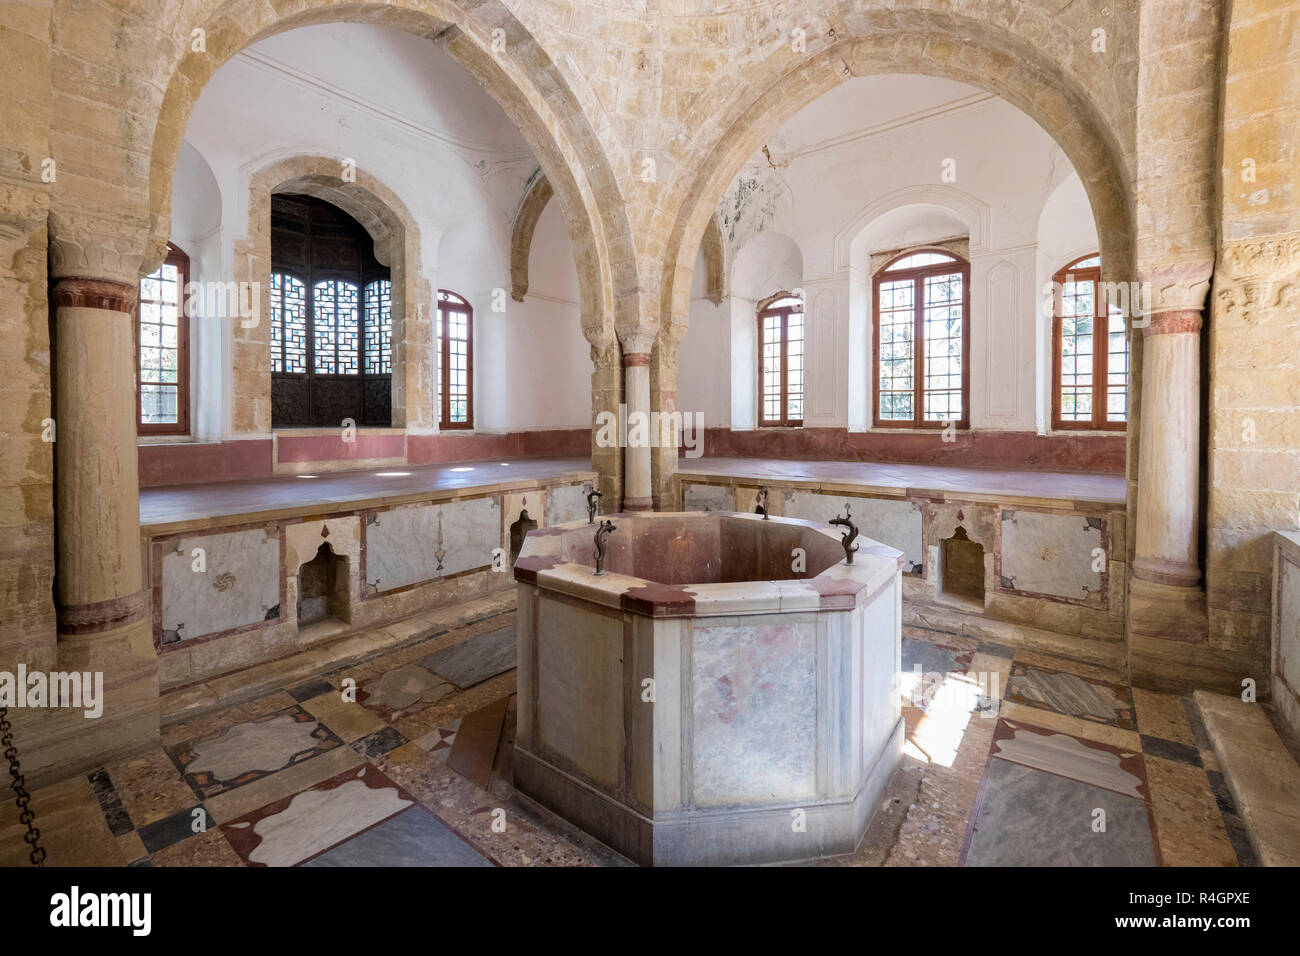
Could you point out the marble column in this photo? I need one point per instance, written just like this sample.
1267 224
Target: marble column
637 493
1165 548
104 623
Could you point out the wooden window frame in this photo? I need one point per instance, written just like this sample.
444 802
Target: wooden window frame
444 358
918 275
1100 349
785 421
175 257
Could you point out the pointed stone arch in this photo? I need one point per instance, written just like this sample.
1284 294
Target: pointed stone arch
536 196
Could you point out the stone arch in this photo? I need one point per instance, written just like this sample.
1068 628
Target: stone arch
715 262
522 78
536 196
924 42
397 245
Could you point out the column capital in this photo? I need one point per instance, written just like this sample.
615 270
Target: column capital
1176 288
636 342
84 246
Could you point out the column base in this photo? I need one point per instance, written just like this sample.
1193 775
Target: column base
1168 642
638 504
56 742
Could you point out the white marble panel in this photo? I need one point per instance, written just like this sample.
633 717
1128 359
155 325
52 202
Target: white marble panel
1288 622
895 522
565 503
754 703
696 497
403 545
240 583
1046 553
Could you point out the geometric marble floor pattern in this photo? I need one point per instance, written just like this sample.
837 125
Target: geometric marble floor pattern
417 771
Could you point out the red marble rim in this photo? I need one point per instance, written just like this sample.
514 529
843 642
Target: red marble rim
103 615
1173 322
636 359
78 293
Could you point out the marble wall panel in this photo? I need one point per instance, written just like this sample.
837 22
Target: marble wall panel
1053 554
410 545
240 583
696 497
580 689
894 522
754 704
1288 624
565 503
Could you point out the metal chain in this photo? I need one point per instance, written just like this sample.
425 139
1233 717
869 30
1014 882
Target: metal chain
25 815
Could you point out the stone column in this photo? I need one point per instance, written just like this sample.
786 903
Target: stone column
637 488
663 399
1169 456
104 624
606 395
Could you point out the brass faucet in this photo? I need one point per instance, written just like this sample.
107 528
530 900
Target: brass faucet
592 505
846 537
604 528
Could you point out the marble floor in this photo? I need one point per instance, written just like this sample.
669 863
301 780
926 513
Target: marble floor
1012 758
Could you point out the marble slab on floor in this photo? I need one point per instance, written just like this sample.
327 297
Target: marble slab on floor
475 660
414 837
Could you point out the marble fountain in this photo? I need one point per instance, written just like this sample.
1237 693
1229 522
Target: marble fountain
724 692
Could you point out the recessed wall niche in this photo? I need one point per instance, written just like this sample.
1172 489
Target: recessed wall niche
961 569
323 588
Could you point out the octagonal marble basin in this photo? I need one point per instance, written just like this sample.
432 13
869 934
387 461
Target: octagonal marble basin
725 693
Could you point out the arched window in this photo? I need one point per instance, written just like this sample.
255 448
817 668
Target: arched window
780 350
922 339
162 349
331 318
1089 353
456 360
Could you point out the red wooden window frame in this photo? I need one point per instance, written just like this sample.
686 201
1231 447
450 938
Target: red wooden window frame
918 276
461 306
785 311
177 258
1100 350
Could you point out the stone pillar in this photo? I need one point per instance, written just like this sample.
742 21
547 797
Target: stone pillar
1169 457
637 487
663 399
606 395
104 624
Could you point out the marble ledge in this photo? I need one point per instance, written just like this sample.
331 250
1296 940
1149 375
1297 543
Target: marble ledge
168 511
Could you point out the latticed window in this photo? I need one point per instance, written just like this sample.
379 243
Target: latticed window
456 352
288 324
379 327
334 328
162 353
781 365
331 318
1090 353
922 307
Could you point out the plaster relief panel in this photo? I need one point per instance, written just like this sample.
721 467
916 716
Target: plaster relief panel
233 580
895 522
1059 555
408 546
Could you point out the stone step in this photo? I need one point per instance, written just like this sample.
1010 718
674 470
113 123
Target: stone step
1261 773
1109 654
192 700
